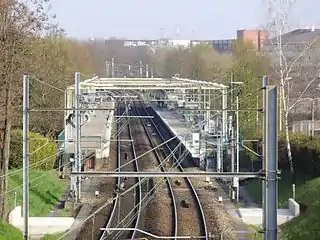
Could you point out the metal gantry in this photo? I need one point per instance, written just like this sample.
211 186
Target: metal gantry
189 88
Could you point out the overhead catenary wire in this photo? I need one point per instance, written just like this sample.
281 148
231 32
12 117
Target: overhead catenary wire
109 201
33 165
45 83
234 104
39 177
158 167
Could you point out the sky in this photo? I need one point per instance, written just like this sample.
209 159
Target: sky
177 19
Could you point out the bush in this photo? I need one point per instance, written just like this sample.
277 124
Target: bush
46 148
305 153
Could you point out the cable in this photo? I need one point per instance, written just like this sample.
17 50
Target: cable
145 203
158 167
32 165
234 104
109 201
47 84
39 177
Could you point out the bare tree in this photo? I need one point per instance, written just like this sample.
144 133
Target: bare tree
293 66
18 25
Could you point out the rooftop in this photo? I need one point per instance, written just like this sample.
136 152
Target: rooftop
299 35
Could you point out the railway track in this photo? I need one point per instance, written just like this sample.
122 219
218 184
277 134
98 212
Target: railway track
125 212
187 214
170 193
186 217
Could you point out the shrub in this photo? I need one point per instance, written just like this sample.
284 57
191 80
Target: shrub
46 148
305 153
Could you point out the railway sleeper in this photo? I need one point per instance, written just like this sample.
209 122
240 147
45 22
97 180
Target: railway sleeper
215 189
185 203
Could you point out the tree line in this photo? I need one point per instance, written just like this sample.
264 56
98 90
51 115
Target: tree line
31 44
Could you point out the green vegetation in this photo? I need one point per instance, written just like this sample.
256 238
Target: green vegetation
255 189
8 232
305 226
52 236
305 152
46 190
248 67
42 151
256 232
45 193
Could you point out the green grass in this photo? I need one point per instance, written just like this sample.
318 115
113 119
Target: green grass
52 236
284 188
307 225
255 235
46 190
9 232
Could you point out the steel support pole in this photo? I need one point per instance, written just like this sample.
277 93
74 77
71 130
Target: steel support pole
232 137
140 69
26 156
147 70
219 154
272 162
237 147
264 86
112 67
312 117
224 124
107 69
77 150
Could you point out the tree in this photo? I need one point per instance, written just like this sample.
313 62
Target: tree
18 27
55 62
13 22
205 63
292 66
198 62
248 67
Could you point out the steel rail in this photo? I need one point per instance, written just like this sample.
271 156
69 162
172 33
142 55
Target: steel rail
146 199
137 206
188 180
138 203
174 205
116 199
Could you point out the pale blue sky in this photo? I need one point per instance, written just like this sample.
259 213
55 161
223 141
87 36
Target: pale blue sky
144 19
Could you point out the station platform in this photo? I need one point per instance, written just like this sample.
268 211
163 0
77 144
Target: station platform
95 134
188 136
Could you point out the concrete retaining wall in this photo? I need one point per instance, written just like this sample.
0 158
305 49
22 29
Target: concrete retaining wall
40 225
253 216
294 207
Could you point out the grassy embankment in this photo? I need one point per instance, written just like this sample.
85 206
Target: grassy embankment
307 225
46 190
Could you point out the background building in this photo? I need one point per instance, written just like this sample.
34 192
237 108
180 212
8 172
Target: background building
257 37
